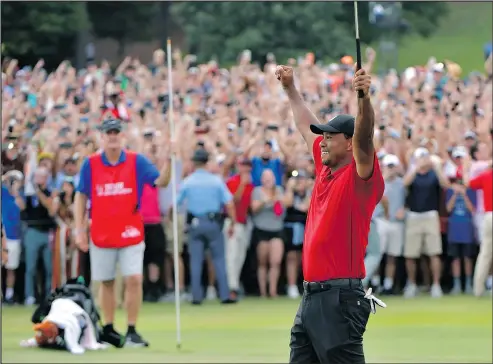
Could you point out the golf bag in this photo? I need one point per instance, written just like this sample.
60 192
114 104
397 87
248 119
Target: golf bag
75 290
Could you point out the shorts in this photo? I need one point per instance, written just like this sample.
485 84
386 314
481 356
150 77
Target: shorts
458 250
14 254
288 240
422 235
155 242
264 235
104 261
391 235
168 231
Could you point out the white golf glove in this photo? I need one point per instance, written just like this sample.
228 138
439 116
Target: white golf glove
374 301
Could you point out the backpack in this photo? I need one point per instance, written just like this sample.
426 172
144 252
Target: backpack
77 291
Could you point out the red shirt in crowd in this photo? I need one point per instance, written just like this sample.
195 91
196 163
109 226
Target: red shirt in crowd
484 182
338 222
243 204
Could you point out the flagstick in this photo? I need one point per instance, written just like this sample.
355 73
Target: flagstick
173 189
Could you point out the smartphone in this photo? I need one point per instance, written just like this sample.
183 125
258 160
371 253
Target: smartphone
272 127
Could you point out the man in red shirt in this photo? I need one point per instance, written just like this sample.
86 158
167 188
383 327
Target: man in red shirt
484 182
241 187
348 186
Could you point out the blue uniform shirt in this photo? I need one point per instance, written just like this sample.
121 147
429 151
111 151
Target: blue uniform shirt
204 192
258 166
146 172
11 215
460 221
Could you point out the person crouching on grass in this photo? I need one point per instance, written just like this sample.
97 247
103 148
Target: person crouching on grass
114 180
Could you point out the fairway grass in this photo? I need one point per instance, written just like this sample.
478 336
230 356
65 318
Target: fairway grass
447 330
460 38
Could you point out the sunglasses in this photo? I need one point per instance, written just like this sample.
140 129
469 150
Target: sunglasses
113 131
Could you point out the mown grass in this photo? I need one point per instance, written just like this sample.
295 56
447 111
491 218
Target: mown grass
448 330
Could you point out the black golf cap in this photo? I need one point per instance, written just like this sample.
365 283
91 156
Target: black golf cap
340 124
200 156
111 125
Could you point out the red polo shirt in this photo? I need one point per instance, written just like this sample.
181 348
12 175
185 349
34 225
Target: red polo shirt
338 223
243 204
484 182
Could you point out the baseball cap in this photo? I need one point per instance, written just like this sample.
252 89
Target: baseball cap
421 152
390 160
111 124
339 124
438 67
470 135
459 152
45 155
201 156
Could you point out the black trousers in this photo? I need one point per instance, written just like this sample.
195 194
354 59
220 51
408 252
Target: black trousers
330 322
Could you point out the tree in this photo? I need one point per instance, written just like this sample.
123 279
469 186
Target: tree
47 29
122 21
422 18
224 29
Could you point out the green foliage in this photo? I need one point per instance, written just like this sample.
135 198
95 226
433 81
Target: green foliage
423 17
121 20
33 30
286 28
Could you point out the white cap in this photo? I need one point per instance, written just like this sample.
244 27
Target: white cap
410 73
421 152
390 159
470 134
220 158
459 152
438 67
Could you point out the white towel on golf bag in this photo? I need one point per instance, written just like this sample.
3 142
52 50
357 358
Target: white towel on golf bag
68 315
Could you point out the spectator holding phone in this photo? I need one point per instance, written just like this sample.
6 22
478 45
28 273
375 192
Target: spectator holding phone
461 205
268 211
423 180
267 161
297 202
37 212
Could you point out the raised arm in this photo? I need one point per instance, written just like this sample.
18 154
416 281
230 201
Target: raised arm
364 126
303 116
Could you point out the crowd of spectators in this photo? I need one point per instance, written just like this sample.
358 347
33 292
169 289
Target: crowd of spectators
430 118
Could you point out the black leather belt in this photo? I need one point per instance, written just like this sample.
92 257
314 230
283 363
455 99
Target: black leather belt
313 287
213 216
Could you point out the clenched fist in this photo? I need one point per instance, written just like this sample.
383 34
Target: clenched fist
362 81
285 74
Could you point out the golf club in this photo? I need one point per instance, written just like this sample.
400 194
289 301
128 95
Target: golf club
358 45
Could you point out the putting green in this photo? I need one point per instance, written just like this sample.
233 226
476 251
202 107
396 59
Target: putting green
447 330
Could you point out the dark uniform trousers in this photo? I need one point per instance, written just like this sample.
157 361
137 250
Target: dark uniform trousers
330 322
206 232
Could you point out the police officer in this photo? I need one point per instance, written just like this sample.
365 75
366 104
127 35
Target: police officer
205 195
